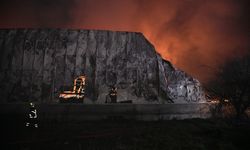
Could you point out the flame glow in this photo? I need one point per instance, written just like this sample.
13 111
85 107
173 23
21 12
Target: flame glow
195 35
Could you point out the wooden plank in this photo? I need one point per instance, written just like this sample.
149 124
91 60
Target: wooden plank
101 59
61 47
16 65
27 65
111 74
70 59
37 68
7 50
81 53
2 50
91 65
49 66
121 64
6 56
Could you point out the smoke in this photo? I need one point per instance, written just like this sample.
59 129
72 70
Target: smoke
197 36
35 13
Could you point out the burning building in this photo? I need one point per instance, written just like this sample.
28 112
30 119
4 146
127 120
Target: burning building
42 64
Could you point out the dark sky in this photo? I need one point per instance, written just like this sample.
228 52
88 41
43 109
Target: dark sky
197 36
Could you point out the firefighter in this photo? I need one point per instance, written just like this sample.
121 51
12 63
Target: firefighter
113 94
32 117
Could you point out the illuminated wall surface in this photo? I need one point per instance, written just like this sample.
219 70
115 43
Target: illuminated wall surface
38 64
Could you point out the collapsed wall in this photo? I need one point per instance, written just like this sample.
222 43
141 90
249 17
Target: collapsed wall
38 64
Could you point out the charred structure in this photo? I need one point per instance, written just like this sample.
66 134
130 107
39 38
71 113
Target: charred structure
39 64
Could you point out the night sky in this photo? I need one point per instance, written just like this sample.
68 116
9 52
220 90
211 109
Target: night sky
197 36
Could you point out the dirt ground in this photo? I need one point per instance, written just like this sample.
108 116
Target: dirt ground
194 134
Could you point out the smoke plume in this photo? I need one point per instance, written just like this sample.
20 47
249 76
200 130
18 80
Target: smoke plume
197 36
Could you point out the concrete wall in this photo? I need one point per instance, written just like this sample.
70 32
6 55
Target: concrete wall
81 112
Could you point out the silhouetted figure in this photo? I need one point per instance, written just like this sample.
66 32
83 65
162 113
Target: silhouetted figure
113 94
32 117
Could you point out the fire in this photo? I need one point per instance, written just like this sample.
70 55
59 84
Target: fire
77 92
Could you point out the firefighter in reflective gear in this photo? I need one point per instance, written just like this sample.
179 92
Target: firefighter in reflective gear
32 117
113 94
